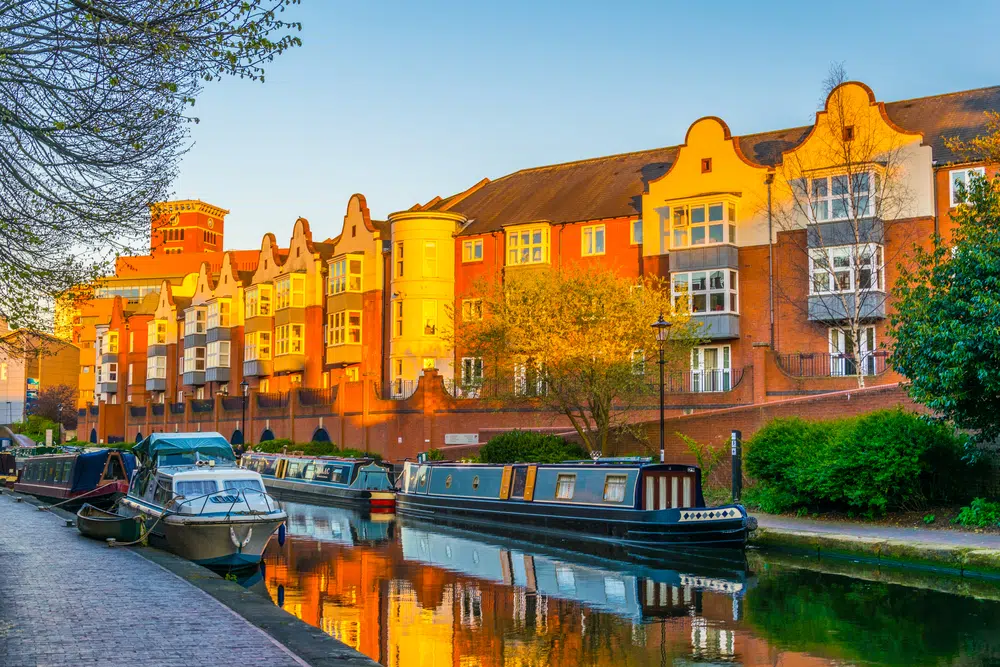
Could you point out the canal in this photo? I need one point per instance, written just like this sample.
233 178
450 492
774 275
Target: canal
412 594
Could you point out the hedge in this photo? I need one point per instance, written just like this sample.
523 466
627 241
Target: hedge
529 447
311 449
884 460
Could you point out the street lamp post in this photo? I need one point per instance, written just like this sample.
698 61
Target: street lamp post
662 328
245 390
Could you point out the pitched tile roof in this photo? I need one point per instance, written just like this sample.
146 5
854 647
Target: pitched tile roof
612 186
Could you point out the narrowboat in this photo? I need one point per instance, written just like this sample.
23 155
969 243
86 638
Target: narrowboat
356 482
197 503
96 477
8 469
629 501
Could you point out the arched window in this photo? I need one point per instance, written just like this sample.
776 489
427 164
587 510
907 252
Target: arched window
236 438
268 434
93 435
321 435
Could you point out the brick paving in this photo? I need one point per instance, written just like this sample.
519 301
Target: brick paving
67 600
921 536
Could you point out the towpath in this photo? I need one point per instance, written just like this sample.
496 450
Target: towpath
67 600
926 536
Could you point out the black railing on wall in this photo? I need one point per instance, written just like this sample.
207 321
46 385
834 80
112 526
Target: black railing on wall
94 410
157 409
825 364
82 412
317 396
137 411
396 389
176 408
232 403
202 405
274 399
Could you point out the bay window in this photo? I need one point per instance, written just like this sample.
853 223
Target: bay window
961 181
156 333
218 354
714 291
290 291
694 225
345 275
219 313
344 328
839 197
156 368
257 346
288 339
194 321
842 269
258 300
527 246
194 359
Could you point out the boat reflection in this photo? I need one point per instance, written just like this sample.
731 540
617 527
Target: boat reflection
339 525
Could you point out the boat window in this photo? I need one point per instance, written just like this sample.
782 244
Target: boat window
422 477
519 482
475 482
115 470
242 485
196 487
185 459
565 485
267 466
67 470
293 469
50 472
310 472
163 493
331 473
614 488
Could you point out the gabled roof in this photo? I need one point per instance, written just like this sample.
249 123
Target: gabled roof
612 186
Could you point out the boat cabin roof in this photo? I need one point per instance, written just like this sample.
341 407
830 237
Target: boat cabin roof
583 465
204 472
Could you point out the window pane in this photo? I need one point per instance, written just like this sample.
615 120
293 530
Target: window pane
698 303
637 231
821 282
839 185
697 214
599 240
838 209
680 282
860 183
697 235
717 301
715 234
698 281
821 210
715 212
819 187
680 238
717 280
732 233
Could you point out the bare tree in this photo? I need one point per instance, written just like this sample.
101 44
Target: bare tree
847 190
58 404
94 117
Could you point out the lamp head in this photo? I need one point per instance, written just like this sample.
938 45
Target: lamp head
662 328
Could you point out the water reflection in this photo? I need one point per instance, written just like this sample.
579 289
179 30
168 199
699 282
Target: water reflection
413 594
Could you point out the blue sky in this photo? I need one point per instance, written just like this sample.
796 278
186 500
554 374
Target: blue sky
402 101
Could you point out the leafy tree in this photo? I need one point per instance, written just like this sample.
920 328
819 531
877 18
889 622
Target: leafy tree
94 117
947 321
58 404
576 341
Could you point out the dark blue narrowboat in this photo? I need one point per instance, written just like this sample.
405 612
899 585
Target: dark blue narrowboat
356 482
95 477
628 501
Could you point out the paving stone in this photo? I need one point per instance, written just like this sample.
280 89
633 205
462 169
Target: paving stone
66 600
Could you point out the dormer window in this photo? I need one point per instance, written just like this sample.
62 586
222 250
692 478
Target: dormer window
345 275
701 224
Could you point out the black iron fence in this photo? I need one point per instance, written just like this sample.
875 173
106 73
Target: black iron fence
232 403
82 412
317 396
137 411
274 399
696 381
825 364
157 409
396 390
177 408
202 405
94 410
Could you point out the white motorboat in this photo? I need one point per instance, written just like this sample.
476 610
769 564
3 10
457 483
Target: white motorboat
197 503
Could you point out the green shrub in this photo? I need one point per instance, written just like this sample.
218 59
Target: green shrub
884 460
980 513
35 426
435 455
279 445
529 447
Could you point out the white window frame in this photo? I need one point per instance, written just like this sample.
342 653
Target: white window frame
345 328
398 255
288 339
472 371
290 291
708 380
219 313
430 259
820 207
194 320
258 300
110 344
345 275
156 368
156 332
472 250
527 245
635 232
257 346
521 380
397 319
847 364
472 310
218 354
194 359
638 362
965 173
829 263
565 485
593 240
684 283
683 228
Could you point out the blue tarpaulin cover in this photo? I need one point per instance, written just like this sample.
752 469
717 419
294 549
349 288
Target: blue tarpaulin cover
158 444
89 466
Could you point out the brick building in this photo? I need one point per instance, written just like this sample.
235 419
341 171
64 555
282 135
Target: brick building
783 244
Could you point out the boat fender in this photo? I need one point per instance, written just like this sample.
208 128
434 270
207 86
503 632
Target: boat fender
236 542
281 535
751 523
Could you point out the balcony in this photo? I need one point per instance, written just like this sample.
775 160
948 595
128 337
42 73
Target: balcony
218 333
156 384
698 259
193 378
697 381
344 355
826 365
828 234
289 363
107 388
217 374
837 307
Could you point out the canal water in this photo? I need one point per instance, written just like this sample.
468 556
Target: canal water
412 594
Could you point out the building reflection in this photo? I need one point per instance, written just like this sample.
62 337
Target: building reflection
409 595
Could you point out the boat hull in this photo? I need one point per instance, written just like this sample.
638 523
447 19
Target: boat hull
376 501
637 529
103 498
233 541
100 525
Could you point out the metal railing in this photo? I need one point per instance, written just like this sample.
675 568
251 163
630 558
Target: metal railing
310 397
825 364
396 390
176 408
157 409
94 410
82 412
274 399
137 411
232 403
697 381
202 405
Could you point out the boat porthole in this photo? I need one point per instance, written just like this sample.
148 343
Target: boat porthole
447 482
423 479
475 482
